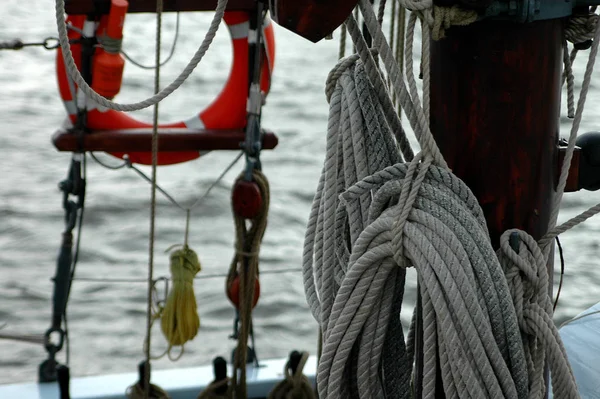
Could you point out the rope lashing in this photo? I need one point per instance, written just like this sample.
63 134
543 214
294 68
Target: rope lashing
139 389
439 18
295 385
220 387
244 267
580 29
525 269
111 45
446 17
179 319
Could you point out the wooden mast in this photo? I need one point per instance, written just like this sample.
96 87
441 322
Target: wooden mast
495 105
495 101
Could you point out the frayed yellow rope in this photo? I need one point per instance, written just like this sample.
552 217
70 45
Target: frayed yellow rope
179 317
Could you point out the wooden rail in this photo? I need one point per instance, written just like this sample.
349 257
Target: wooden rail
102 6
170 140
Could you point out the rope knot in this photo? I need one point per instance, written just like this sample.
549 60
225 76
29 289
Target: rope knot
416 5
580 28
525 267
445 17
111 45
410 190
184 265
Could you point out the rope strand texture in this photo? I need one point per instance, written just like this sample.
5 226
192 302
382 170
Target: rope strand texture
75 75
527 275
490 335
179 319
350 256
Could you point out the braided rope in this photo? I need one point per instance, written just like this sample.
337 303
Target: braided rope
489 335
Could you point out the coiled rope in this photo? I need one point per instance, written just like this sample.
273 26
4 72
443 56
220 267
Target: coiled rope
179 317
75 75
488 334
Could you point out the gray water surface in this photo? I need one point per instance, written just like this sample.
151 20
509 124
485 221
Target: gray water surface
106 320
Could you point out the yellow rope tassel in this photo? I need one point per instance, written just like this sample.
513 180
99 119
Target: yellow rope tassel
179 319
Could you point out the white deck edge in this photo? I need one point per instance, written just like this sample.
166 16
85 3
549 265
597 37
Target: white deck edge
184 383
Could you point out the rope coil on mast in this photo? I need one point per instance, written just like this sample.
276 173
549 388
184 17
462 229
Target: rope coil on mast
365 223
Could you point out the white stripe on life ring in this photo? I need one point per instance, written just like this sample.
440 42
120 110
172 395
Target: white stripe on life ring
71 107
194 123
239 31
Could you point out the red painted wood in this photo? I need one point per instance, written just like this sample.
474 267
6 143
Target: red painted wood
74 7
246 199
573 178
233 292
495 95
170 140
311 19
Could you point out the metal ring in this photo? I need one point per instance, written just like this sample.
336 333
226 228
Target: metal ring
51 43
50 347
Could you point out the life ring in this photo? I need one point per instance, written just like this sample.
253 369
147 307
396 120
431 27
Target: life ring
227 111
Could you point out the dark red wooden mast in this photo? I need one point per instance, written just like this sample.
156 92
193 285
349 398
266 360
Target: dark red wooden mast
495 99
495 102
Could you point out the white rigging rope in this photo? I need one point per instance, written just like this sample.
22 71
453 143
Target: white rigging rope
75 75
487 317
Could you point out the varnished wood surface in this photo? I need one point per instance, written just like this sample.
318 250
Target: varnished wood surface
170 140
495 114
311 19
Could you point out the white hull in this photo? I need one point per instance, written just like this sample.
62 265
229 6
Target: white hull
179 383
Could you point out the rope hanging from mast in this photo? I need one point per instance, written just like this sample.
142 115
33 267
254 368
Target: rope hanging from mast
373 216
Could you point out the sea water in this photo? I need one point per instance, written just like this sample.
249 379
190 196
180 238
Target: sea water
106 319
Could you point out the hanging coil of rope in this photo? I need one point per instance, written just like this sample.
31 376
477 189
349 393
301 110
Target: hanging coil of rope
179 318
486 318
243 272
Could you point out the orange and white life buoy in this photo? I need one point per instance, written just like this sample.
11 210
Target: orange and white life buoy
227 111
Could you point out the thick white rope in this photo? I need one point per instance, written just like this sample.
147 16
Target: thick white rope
564 173
74 73
417 214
